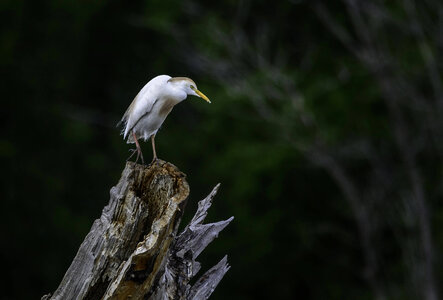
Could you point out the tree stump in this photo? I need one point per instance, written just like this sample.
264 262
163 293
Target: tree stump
133 251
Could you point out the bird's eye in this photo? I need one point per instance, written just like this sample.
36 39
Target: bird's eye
192 87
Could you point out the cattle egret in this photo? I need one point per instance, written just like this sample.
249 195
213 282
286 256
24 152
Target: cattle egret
152 105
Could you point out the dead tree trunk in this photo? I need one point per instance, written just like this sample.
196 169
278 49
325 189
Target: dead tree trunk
133 250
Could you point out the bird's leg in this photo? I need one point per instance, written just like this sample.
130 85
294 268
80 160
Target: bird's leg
138 156
153 148
132 154
139 150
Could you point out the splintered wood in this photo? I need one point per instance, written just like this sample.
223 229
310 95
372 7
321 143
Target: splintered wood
133 250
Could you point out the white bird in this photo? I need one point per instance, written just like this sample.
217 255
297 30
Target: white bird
152 105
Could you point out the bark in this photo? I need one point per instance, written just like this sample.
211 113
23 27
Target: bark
133 251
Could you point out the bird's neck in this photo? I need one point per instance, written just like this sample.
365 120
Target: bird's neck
177 94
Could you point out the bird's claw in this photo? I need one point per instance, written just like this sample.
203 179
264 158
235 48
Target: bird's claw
139 155
155 161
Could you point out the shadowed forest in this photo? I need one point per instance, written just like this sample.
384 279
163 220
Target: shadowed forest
325 132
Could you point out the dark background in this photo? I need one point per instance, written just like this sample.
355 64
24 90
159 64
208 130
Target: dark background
325 131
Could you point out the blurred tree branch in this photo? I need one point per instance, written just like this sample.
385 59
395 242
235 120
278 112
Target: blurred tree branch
375 55
411 90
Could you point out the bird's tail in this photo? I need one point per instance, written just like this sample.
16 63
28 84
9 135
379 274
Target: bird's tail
122 123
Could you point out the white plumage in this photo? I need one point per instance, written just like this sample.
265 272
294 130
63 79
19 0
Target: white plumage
152 105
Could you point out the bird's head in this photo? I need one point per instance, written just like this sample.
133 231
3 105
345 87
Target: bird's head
188 86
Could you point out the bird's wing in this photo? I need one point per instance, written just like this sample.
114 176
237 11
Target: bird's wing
142 103
141 106
124 119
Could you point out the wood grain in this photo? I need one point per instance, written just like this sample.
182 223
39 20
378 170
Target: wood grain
133 251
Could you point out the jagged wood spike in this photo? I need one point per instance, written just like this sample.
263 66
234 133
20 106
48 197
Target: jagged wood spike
207 283
181 267
203 206
195 238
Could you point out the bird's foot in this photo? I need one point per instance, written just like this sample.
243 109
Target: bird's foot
139 155
155 161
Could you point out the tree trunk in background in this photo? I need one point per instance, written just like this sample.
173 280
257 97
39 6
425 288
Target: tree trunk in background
133 250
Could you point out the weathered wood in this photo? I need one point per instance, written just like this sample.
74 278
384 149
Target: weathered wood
132 251
181 267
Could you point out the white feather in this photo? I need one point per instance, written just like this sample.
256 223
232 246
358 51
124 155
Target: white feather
152 104
143 102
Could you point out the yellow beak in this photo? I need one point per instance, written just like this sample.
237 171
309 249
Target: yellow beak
202 95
